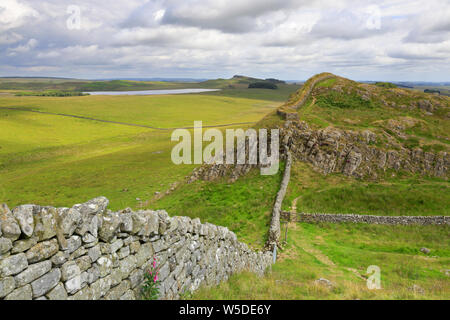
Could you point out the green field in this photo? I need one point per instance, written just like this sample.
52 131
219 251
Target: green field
59 160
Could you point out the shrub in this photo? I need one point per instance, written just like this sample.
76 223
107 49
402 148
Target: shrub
150 288
262 85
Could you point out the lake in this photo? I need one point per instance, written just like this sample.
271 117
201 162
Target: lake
150 92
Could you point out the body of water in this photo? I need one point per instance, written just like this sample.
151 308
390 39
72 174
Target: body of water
150 92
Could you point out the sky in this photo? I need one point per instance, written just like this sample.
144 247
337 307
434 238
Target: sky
391 40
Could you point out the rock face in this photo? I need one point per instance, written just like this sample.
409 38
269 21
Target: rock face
58 261
353 154
333 150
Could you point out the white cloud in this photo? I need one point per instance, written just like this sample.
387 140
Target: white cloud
290 39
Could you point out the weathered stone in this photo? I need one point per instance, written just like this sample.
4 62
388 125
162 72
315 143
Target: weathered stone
45 223
13 265
94 253
81 251
24 216
89 238
136 278
7 285
116 245
42 251
45 283
129 295
77 283
164 272
134 247
124 252
23 245
127 265
324 282
5 245
151 225
126 222
23 293
138 222
93 274
70 270
72 244
100 287
69 220
84 263
33 272
110 226
57 293
84 294
105 266
118 291
116 277
9 225
93 207
144 253
59 259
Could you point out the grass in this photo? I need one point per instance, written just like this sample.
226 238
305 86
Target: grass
342 254
158 111
56 160
336 193
244 207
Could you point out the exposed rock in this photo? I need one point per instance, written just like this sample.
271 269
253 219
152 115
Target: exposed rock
325 282
33 272
45 283
69 220
7 285
23 245
42 251
5 245
24 216
57 293
23 293
13 265
9 225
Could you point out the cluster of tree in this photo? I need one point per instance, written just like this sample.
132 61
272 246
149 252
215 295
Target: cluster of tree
52 93
432 91
276 81
262 85
386 85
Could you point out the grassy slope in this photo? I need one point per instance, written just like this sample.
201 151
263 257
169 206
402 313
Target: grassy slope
336 251
350 105
342 254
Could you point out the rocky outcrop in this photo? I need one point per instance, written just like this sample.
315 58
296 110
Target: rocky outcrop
88 252
353 153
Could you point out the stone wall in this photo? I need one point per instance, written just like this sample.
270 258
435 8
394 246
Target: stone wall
88 252
371 219
275 230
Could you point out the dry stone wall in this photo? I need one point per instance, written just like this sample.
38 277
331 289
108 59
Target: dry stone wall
88 253
372 219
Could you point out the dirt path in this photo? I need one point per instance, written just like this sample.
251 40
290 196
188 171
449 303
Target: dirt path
123 123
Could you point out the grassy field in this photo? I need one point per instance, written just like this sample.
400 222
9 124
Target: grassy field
59 160
342 254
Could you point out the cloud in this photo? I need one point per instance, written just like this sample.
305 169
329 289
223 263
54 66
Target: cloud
290 39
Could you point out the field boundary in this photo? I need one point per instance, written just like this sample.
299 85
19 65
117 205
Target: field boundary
367 219
124 123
